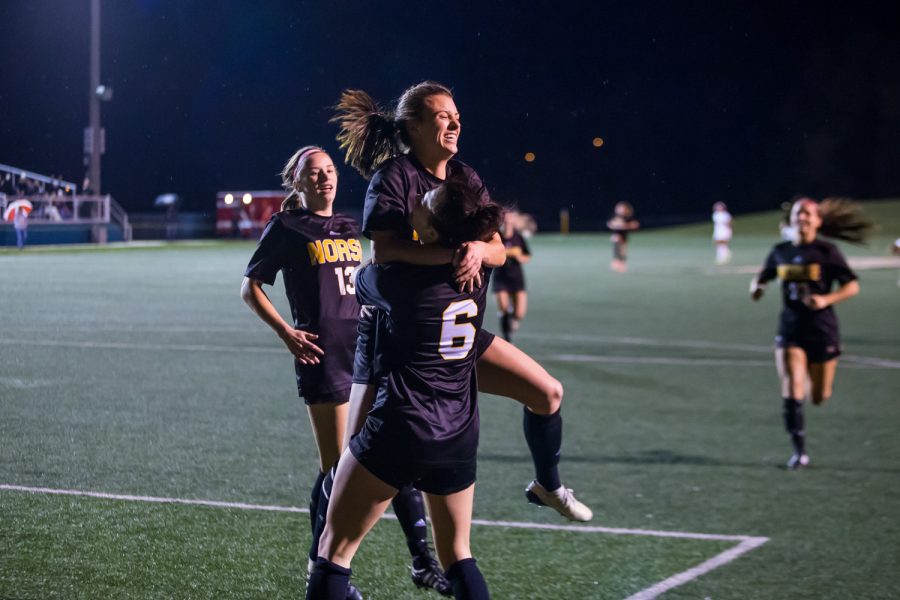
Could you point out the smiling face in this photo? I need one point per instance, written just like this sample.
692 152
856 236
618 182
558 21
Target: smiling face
436 133
805 217
317 182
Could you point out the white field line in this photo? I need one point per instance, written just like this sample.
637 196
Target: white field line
746 543
861 362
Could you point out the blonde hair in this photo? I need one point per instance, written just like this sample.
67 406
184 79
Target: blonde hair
291 173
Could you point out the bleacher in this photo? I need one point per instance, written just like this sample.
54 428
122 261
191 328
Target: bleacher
60 214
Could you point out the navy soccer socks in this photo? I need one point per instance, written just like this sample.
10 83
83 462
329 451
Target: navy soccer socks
410 510
328 581
543 433
793 424
314 526
467 581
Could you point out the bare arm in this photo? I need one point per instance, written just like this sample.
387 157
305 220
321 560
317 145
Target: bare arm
299 343
758 287
848 290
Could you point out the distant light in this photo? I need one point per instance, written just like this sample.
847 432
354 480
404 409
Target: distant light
598 141
68 188
529 157
229 199
247 199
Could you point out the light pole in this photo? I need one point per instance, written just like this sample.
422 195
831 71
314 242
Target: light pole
94 140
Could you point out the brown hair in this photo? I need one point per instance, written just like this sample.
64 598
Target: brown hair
290 173
465 215
369 134
844 219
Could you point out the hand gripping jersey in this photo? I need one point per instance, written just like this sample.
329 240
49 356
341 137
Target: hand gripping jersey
804 270
426 404
317 257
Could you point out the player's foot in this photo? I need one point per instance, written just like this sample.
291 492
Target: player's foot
562 500
798 461
352 592
430 575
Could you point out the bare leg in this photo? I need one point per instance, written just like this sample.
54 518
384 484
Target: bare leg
451 521
520 304
505 370
329 421
822 377
358 500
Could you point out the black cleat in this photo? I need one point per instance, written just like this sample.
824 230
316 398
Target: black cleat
431 576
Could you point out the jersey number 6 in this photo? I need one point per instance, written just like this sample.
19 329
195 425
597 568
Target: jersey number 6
457 338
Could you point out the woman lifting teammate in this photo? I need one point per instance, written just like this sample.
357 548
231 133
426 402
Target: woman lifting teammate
406 153
423 428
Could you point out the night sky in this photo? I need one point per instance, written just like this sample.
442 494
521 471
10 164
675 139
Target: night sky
745 102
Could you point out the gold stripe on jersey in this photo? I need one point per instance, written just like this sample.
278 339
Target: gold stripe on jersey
810 272
329 251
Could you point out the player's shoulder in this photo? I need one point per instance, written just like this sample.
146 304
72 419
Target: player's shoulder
345 221
458 168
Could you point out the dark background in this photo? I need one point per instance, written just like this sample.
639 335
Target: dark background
749 103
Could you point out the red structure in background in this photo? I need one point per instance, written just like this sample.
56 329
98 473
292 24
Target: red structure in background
243 214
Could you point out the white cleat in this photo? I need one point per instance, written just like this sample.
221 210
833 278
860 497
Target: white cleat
798 461
562 500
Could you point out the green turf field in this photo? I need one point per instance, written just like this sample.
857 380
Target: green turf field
142 373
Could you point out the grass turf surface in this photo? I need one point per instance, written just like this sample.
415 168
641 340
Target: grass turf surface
142 372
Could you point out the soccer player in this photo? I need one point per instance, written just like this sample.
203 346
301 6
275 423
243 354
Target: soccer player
423 428
621 222
406 153
721 219
317 251
808 343
509 280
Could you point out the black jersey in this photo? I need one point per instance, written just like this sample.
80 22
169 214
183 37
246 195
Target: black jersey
621 225
511 272
396 187
317 257
426 403
804 270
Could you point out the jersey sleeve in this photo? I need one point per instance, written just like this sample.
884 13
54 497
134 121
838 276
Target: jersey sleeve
770 268
269 256
385 208
525 249
367 291
840 270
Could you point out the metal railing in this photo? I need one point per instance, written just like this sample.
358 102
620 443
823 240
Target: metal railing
74 210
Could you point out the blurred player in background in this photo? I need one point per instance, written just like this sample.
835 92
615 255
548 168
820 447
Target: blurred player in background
895 250
509 280
721 232
406 153
808 342
621 223
424 428
317 252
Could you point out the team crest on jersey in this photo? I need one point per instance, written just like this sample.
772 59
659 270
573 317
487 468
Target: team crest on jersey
329 251
810 272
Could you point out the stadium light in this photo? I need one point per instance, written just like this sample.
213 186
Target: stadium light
247 199
529 157
598 141
229 199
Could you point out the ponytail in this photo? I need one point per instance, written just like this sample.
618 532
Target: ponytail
367 133
844 219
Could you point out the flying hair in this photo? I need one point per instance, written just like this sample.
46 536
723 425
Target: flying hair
844 219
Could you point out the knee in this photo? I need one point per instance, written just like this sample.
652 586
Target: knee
553 395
